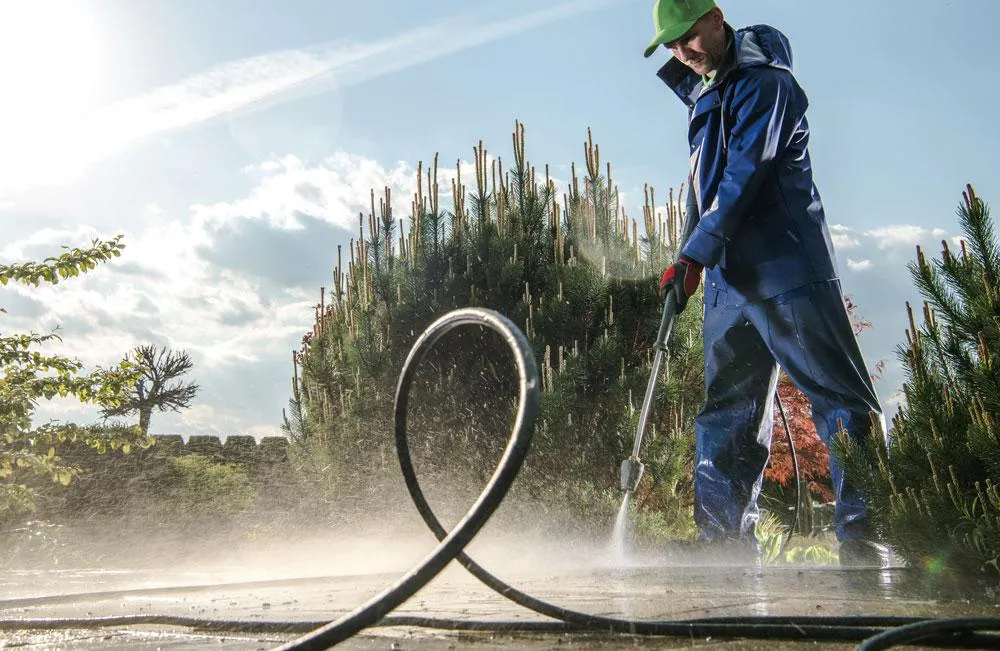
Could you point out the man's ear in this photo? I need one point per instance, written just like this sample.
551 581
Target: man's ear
717 17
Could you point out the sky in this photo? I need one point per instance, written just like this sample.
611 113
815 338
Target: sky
234 142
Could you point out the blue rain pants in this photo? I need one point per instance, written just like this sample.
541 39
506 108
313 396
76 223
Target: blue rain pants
808 332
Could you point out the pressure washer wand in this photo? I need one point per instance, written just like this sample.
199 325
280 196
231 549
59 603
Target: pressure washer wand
632 468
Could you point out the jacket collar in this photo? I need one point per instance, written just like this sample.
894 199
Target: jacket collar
758 45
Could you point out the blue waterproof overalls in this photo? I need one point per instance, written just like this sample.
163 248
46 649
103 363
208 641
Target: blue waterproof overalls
772 295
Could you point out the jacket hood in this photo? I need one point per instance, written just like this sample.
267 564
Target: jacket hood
757 45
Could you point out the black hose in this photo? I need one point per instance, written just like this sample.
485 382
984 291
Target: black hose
944 633
304 626
959 628
795 471
487 502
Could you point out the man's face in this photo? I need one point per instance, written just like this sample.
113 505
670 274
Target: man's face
703 47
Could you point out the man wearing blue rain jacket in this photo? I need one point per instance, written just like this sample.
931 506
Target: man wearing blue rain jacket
756 226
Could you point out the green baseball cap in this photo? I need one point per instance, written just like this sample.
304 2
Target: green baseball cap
673 18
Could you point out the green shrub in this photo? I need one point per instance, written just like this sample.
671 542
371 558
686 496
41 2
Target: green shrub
194 485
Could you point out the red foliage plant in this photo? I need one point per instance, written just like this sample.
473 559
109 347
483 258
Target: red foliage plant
812 454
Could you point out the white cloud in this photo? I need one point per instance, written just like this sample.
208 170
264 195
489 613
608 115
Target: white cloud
844 241
55 151
335 191
892 403
206 419
48 240
895 236
233 284
858 265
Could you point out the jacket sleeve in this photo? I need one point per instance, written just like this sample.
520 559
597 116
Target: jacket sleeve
767 108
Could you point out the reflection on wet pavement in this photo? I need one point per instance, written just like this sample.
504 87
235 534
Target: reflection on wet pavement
648 590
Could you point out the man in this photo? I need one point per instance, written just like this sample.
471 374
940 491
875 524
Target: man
772 296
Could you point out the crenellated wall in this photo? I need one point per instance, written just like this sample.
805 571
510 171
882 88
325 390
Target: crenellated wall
239 448
242 449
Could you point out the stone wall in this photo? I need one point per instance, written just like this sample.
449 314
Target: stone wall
234 449
241 449
117 484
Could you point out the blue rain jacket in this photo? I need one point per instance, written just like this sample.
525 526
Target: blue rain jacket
758 225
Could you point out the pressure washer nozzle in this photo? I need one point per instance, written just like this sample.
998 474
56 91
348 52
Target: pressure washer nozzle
631 474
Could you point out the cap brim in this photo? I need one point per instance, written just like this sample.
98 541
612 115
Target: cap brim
668 35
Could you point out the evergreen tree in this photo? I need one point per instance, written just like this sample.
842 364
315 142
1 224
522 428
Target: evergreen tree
934 490
578 279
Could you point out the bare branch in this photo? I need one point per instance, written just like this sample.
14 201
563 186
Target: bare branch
159 387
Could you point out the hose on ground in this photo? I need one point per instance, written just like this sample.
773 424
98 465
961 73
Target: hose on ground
871 630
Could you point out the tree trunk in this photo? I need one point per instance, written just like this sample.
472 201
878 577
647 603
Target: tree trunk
144 414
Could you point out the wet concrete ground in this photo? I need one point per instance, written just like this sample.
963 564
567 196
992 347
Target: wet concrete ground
653 588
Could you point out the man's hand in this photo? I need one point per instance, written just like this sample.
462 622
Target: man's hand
683 276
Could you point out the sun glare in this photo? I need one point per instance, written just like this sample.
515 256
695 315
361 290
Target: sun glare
51 73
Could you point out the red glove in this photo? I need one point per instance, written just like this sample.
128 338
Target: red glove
683 277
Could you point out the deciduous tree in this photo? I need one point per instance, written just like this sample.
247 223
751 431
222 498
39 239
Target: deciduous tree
27 375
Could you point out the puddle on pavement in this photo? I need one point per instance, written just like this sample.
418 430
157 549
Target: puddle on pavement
646 593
